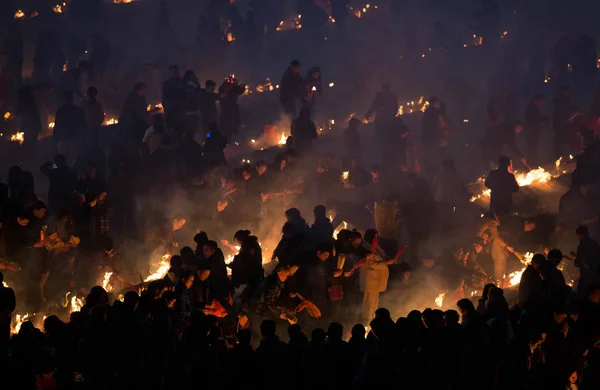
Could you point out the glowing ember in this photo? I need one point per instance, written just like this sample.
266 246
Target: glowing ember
514 278
557 163
345 176
282 140
341 226
122 1
51 125
106 282
7 116
230 37
19 14
504 34
159 270
439 301
331 85
19 137
57 9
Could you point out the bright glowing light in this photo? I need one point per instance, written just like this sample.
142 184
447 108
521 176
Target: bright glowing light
160 269
19 137
439 301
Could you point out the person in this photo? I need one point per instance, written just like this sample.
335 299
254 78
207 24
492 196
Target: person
502 184
563 113
587 260
374 274
432 135
218 280
213 152
192 101
94 112
63 182
8 304
134 119
385 108
174 95
321 230
208 105
246 272
304 131
406 152
185 299
291 89
312 84
352 145
154 134
534 123
230 120
531 280
265 300
69 126
489 230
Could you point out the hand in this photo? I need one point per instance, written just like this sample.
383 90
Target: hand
283 316
337 273
293 295
347 274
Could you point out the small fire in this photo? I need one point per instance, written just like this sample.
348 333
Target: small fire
76 303
106 282
514 278
345 176
110 121
504 34
65 66
19 137
439 301
412 107
51 125
557 163
331 85
18 322
19 14
341 226
7 116
4 284
282 140
159 270
230 37
266 87
57 9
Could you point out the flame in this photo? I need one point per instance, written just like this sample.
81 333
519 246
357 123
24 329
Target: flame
290 24
4 284
230 37
18 322
106 281
159 270
19 14
504 34
439 301
282 140
65 66
57 9
7 116
51 125
412 107
266 87
331 85
76 303
341 226
514 278
122 1
557 162
19 137
110 121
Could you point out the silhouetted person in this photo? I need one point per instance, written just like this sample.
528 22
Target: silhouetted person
502 184
291 88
